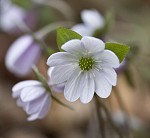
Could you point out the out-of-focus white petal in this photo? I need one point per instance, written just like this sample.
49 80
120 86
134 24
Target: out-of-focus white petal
88 87
72 88
22 55
102 86
74 46
60 58
17 87
11 17
57 77
83 29
93 45
31 93
107 59
43 109
92 18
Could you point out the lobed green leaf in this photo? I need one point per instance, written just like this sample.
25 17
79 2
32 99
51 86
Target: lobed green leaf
64 35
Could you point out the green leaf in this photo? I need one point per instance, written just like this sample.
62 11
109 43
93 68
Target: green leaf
64 35
26 4
120 50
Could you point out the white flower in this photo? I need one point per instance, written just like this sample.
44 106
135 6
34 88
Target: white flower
92 20
22 55
86 67
55 87
10 15
33 97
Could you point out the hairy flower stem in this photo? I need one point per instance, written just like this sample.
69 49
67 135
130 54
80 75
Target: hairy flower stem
120 101
42 79
100 117
122 106
115 128
63 7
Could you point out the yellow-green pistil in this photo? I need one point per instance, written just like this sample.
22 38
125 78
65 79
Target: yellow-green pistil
86 63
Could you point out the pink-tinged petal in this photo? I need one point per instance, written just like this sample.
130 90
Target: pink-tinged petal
92 18
74 47
72 88
83 29
102 86
31 93
17 87
107 59
88 87
61 74
60 58
93 45
22 55
43 110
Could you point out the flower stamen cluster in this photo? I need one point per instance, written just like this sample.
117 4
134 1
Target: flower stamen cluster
86 63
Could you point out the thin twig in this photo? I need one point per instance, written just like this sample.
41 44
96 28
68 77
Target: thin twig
100 117
110 120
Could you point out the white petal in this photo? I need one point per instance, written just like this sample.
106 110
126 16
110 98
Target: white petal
83 29
88 88
58 88
60 58
92 18
102 86
33 117
93 45
17 87
17 48
74 46
109 74
31 93
107 59
61 74
72 88
43 110
21 56
34 106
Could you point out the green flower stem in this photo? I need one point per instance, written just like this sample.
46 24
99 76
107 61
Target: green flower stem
60 5
51 27
100 117
46 86
116 129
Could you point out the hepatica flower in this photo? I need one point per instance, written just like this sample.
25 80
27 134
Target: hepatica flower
85 67
22 55
55 87
92 20
33 98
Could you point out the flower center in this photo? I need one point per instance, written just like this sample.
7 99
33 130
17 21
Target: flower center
86 63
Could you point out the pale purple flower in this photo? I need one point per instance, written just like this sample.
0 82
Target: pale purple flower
22 55
10 16
55 87
92 20
85 67
33 98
